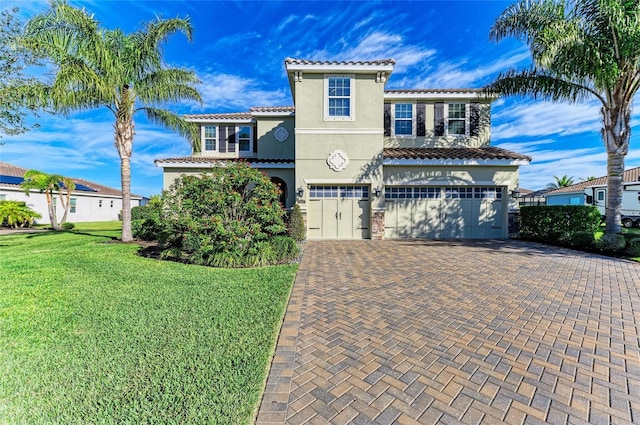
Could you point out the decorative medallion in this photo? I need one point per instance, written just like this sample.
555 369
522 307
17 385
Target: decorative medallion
338 160
281 134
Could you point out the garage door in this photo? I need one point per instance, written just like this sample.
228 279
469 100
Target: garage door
338 212
444 212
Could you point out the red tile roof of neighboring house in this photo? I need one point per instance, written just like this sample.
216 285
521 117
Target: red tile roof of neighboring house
225 116
631 175
486 153
293 61
208 159
7 169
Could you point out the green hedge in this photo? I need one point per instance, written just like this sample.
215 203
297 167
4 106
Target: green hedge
558 224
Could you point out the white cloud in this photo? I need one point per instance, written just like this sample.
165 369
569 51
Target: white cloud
234 92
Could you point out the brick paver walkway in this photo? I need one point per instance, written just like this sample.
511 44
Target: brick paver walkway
405 332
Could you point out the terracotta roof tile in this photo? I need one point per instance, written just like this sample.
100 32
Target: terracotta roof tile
631 175
432 91
225 116
272 109
383 62
208 160
490 153
7 169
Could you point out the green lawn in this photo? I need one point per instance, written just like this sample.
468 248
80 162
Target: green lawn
90 332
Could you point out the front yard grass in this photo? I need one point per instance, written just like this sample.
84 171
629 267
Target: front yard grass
90 332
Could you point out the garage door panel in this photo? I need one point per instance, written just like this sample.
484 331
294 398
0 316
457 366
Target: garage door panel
339 212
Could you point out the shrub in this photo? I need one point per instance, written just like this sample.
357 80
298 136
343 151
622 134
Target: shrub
583 240
297 229
633 247
612 243
68 226
557 224
17 214
146 221
226 217
142 212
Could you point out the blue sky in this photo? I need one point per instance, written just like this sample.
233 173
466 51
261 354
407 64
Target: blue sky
238 52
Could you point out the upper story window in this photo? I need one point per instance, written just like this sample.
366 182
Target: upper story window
403 119
339 97
457 119
244 138
210 138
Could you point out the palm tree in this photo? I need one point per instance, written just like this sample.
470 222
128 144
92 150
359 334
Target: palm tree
17 214
65 199
108 68
582 49
47 183
563 181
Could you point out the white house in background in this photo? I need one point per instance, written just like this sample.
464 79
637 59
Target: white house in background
594 192
89 201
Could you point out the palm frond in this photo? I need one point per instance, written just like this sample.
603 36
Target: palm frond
174 85
174 122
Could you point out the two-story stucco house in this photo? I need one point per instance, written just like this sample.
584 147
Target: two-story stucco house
368 163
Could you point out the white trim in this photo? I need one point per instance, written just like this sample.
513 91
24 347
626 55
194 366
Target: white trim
203 146
222 120
336 181
368 131
405 182
352 97
466 119
469 96
489 162
413 120
273 114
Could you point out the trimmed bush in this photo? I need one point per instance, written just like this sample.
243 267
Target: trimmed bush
612 243
583 240
227 217
143 212
297 229
68 226
633 247
557 224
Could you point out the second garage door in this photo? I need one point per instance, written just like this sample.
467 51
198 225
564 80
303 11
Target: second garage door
444 212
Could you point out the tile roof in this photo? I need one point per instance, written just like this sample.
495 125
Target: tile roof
225 116
273 109
383 62
631 175
11 170
490 153
208 159
432 91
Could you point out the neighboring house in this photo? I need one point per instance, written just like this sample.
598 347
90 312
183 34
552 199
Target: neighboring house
594 192
531 197
89 201
368 163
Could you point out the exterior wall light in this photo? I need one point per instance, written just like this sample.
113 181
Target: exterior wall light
376 191
300 192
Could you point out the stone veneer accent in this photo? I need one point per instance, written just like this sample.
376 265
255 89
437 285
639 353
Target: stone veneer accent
377 225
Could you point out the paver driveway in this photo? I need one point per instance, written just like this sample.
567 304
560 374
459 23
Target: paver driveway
457 332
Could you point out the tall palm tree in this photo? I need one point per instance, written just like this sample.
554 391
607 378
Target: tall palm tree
107 68
581 49
559 182
47 183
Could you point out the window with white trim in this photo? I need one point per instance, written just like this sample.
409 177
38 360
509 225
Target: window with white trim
457 119
403 118
338 97
111 204
100 203
72 205
600 196
3 197
244 138
210 137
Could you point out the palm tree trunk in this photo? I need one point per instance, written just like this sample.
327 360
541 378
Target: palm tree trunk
124 143
615 133
52 210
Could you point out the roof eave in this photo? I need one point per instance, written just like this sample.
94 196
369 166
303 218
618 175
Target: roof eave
452 161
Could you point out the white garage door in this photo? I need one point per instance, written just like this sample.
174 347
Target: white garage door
444 212
338 212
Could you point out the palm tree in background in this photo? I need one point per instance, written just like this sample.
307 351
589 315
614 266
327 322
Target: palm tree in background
49 184
559 182
122 72
582 49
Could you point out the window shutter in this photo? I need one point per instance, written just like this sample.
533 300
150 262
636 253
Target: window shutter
438 118
420 127
474 119
254 130
387 119
222 138
231 138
